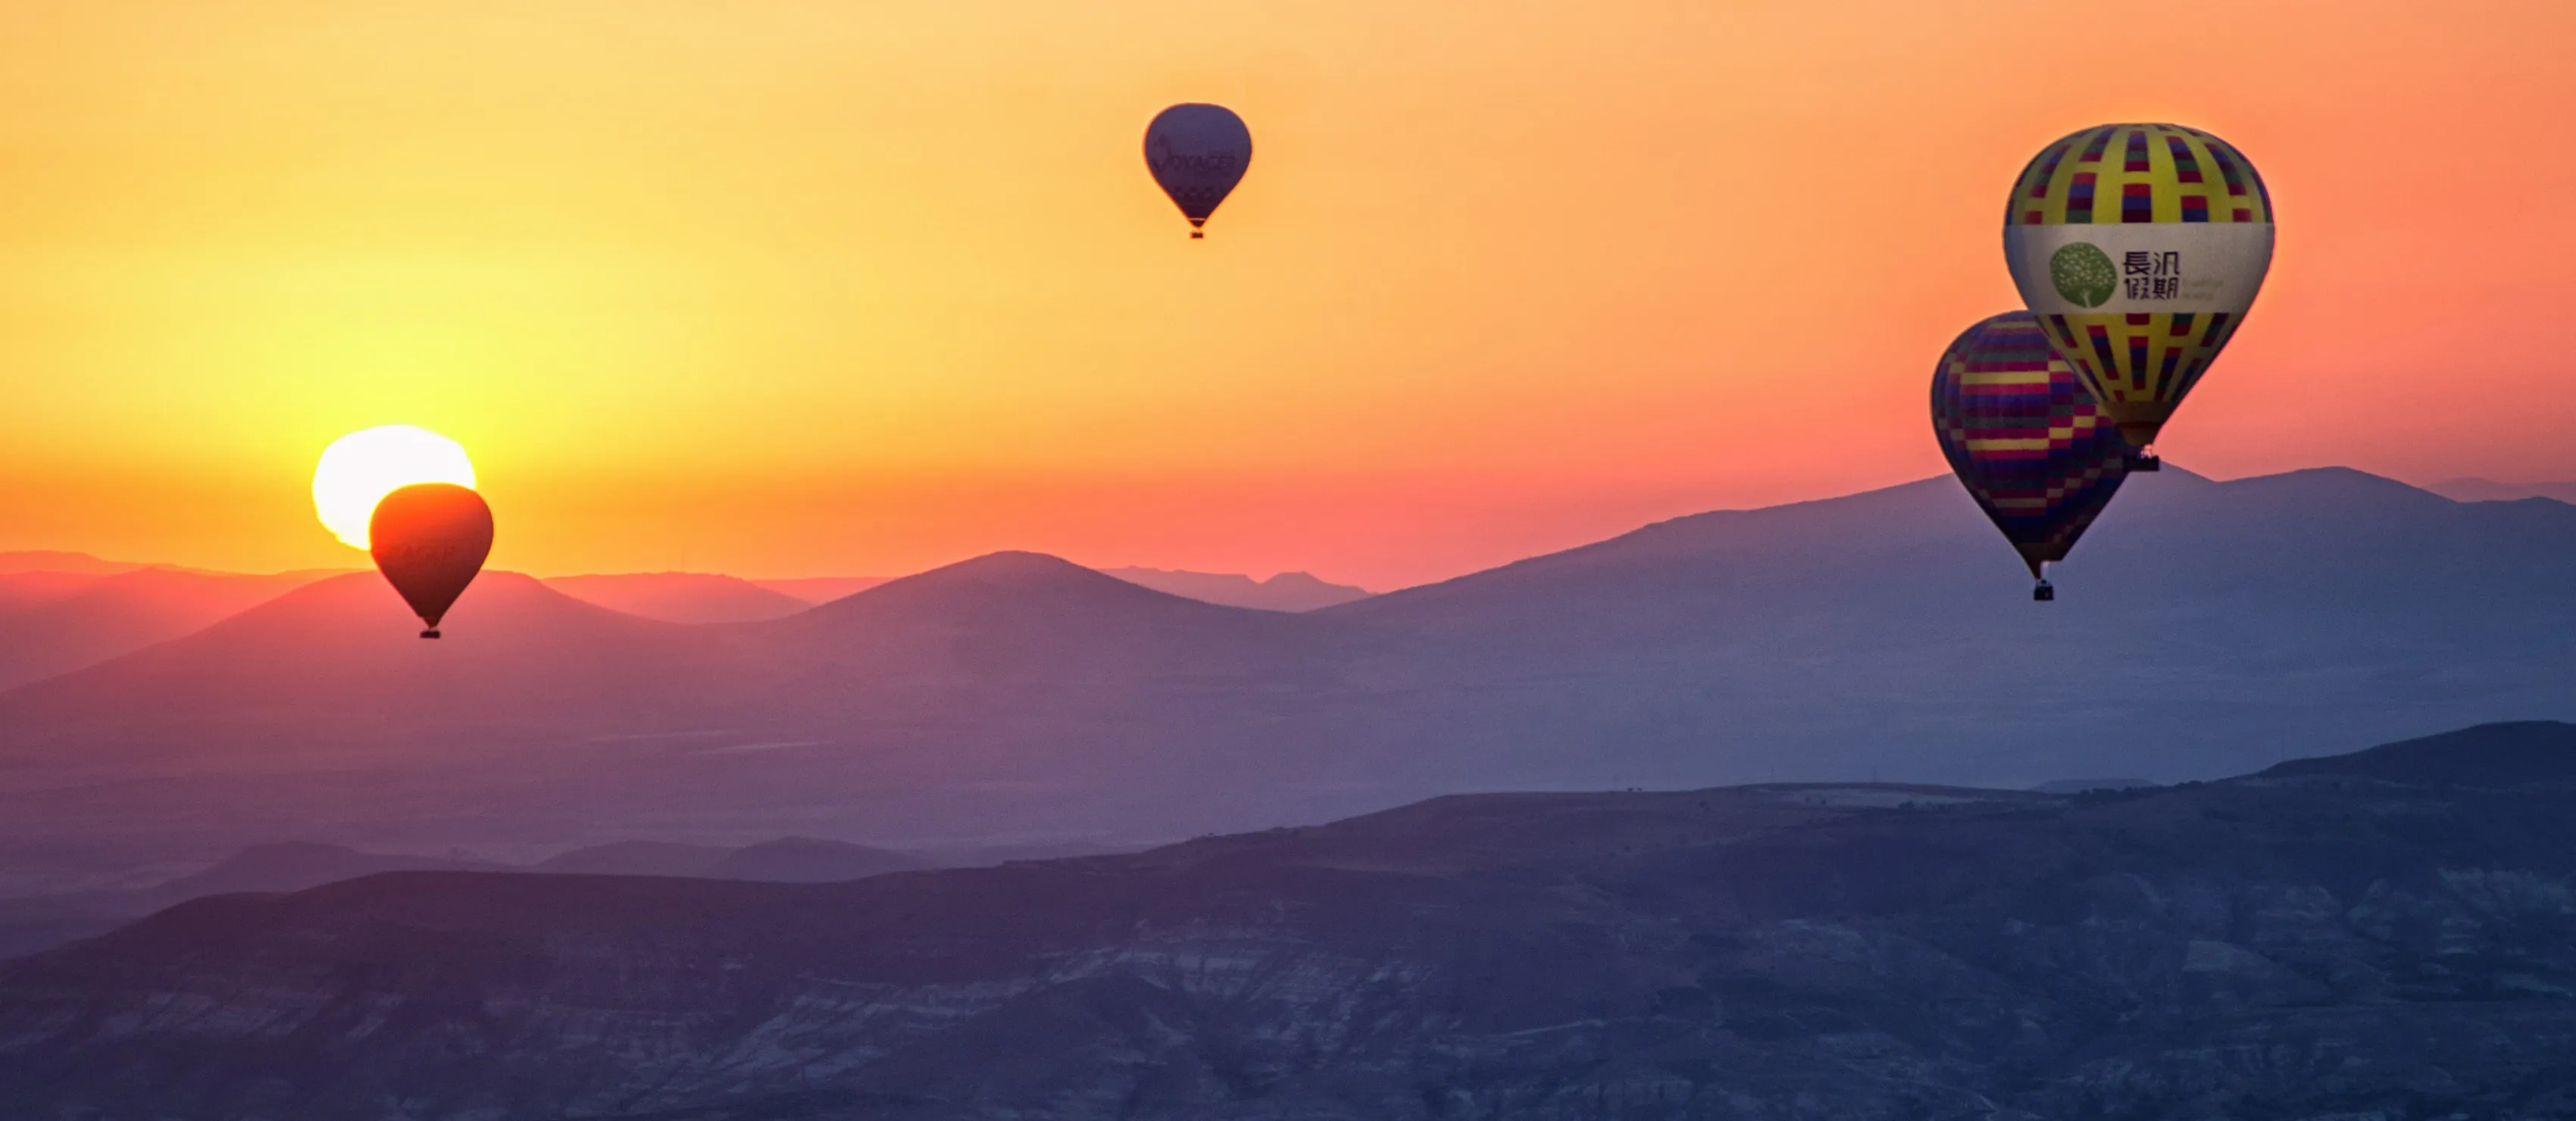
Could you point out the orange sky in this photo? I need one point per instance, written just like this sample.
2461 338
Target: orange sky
781 287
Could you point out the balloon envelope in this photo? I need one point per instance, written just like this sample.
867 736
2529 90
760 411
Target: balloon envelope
429 540
2024 436
1197 153
2140 246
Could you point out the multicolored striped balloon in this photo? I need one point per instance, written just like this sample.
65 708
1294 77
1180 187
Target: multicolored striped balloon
2024 436
2141 247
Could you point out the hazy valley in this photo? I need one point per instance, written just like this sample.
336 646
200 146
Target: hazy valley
2205 629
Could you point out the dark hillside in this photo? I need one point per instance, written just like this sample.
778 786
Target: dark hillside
2252 948
2529 753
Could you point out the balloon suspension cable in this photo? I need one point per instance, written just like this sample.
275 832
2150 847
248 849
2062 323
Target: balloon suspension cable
430 633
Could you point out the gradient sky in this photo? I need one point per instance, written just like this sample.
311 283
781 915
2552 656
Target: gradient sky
788 288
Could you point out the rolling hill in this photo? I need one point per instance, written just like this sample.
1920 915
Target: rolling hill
53 622
1286 591
680 597
822 589
2489 490
2289 946
22 590
2519 754
336 664
2202 627
19 561
31 923
1017 681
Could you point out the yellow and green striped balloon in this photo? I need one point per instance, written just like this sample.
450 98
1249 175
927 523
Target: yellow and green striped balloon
2140 247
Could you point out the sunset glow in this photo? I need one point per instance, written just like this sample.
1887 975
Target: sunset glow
358 470
1146 560
781 288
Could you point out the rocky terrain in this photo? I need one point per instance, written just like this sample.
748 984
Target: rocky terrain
2385 935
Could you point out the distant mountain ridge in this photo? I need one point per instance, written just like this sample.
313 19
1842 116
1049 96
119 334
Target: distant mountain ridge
22 590
56 560
1286 591
2521 754
154 603
2489 490
681 597
798 860
822 589
91 618
2276 946
32 923
807 860
2202 628
636 858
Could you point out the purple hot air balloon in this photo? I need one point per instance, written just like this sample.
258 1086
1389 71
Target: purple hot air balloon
1197 153
2026 438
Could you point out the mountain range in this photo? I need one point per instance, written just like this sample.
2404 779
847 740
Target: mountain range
2203 628
698 597
155 603
2388 934
822 589
60 562
681 597
2489 490
1286 591
55 620
39 922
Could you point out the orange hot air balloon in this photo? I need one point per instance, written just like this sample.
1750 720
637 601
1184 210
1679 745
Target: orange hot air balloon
429 539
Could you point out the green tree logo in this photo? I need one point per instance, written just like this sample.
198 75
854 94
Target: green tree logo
2083 274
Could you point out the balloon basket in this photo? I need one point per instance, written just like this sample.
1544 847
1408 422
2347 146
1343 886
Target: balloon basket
1198 235
2145 461
430 633
2043 593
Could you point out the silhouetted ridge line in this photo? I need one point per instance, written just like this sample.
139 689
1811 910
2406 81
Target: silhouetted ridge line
2522 753
680 597
1010 586
1286 591
1846 950
2202 629
105 616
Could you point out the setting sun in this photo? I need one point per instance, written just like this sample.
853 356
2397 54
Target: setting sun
358 470
1645 558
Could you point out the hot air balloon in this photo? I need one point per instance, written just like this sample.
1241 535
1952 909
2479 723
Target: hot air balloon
2025 437
2140 247
1198 153
429 539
